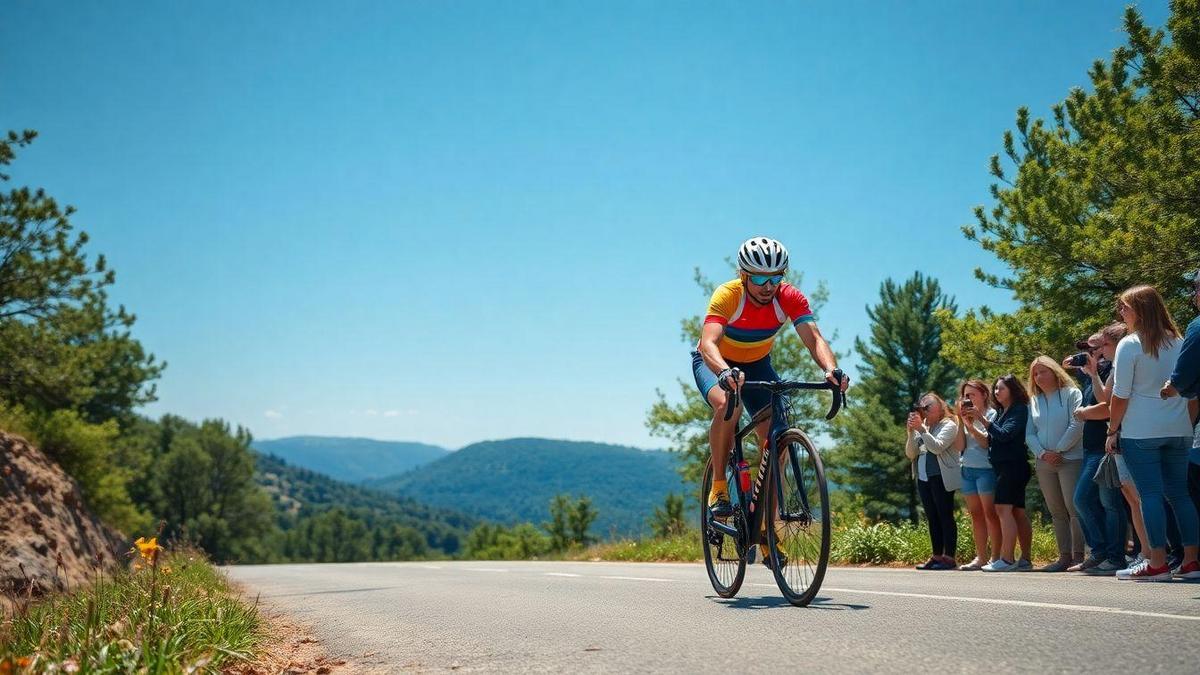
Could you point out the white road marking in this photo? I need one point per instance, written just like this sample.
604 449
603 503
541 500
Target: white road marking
1017 603
638 578
562 574
430 567
484 569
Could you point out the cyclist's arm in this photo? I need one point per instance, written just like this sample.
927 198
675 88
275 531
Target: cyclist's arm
817 346
710 334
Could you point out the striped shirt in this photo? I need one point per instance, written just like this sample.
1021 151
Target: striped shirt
750 328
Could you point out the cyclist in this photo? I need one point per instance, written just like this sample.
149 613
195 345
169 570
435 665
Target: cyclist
744 316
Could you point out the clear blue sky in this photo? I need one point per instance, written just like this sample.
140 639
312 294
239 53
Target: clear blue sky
450 221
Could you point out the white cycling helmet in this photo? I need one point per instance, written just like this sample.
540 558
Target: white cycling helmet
761 255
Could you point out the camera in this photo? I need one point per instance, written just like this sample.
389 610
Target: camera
968 404
1079 359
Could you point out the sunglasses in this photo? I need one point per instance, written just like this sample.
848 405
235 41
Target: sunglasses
762 279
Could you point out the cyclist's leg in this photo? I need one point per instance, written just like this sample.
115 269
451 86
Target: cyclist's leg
720 434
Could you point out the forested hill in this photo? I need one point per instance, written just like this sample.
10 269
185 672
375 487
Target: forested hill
325 520
514 480
350 459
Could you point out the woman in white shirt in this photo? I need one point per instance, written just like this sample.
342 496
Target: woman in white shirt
1055 437
1155 433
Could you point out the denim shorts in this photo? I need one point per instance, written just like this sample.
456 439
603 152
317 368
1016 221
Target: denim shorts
978 481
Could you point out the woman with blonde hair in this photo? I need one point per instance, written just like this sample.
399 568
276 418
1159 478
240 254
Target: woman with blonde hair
978 477
932 429
1055 437
1155 433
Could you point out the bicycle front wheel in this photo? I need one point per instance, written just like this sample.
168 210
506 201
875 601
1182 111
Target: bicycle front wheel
723 555
800 528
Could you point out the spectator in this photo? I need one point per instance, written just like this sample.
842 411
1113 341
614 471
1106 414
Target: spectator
1155 433
978 478
1005 441
931 433
1113 333
1101 513
1185 381
1054 436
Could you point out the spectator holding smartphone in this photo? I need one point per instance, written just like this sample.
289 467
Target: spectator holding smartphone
978 478
1155 433
1055 437
931 433
1004 437
1100 509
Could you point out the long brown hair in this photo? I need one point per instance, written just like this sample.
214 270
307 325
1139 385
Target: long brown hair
1154 325
979 386
1015 389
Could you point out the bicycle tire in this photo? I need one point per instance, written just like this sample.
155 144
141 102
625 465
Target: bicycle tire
725 573
800 532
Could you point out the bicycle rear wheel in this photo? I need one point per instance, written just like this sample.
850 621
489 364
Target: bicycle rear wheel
799 513
723 555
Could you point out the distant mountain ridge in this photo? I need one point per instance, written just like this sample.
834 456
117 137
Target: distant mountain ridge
352 460
301 495
514 480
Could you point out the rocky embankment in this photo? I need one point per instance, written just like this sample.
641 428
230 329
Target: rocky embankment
48 539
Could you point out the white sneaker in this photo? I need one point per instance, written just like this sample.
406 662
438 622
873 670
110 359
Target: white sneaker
998 565
1125 573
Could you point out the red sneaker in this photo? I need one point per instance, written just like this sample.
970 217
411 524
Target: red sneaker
1148 573
1190 571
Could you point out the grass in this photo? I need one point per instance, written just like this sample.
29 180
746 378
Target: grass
852 544
176 614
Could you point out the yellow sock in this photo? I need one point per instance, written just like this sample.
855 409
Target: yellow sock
720 488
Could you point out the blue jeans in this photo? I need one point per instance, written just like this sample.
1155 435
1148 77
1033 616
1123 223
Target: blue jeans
1100 513
1160 469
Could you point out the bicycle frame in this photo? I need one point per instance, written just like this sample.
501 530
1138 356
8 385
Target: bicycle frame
752 504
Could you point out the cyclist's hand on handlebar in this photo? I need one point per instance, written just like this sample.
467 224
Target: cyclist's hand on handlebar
730 379
833 377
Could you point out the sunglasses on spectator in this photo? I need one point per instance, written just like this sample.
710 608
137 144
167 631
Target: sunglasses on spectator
762 279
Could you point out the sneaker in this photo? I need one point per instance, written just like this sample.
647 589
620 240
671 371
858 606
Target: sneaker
1190 571
1106 568
1024 565
1085 565
931 564
1148 573
1138 569
974 566
1056 566
720 508
1000 565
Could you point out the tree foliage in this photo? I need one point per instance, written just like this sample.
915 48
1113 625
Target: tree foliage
62 346
668 519
685 423
1103 197
900 361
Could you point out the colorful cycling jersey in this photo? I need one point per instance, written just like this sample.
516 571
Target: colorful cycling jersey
750 328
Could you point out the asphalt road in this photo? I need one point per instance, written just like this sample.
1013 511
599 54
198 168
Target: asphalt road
606 617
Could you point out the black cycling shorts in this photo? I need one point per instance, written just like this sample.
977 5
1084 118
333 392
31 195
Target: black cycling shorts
1011 479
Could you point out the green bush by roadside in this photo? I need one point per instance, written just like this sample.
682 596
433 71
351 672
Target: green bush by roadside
853 544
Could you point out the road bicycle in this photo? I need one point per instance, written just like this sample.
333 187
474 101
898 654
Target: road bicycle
792 510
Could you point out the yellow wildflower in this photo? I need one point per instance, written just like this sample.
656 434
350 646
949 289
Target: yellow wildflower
148 549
